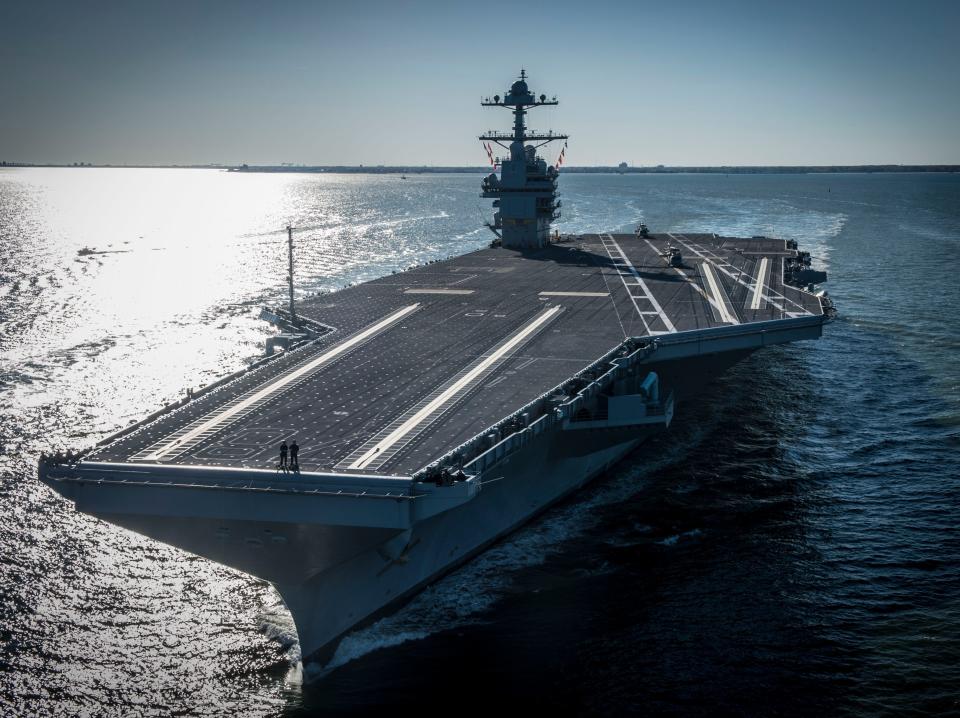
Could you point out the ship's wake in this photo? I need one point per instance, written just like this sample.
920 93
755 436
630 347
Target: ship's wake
813 229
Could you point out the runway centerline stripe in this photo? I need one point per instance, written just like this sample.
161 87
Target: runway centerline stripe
760 282
222 417
451 391
437 291
717 292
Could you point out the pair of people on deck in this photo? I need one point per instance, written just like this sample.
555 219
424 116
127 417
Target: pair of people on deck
294 452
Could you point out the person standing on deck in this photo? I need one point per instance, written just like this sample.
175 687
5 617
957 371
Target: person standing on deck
283 455
294 461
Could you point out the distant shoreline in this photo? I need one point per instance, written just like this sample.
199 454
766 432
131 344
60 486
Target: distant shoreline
406 170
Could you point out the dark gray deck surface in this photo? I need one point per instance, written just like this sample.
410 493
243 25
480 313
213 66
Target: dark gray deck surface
607 288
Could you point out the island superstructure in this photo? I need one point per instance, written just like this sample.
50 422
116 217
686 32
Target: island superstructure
440 408
525 193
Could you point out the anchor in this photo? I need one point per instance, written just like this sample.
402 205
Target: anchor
391 556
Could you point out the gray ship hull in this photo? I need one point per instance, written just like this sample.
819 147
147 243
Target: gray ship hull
442 408
333 576
358 590
521 487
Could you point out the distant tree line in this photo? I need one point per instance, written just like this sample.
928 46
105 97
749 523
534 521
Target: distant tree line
659 169
621 169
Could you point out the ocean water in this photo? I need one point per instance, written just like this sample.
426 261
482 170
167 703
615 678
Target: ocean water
790 547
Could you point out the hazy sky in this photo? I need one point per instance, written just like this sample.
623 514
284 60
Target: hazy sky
664 82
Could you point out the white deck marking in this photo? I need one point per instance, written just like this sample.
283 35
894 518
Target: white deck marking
689 281
761 281
410 424
574 294
717 291
632 271
737 279
770 293
438 291
219 419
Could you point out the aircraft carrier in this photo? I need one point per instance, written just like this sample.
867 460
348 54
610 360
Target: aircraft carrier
439 408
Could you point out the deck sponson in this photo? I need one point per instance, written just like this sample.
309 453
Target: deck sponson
605 296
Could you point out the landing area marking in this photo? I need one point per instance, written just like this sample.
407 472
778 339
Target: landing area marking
438 291
722 302
767 296
378 454
759 284
626 269
220 417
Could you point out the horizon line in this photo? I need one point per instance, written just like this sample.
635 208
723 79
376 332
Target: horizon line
414 169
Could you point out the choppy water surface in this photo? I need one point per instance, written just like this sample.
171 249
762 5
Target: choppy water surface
790 547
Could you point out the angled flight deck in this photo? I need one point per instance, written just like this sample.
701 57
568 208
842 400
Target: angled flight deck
470 339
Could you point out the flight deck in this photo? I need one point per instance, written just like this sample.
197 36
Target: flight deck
470 339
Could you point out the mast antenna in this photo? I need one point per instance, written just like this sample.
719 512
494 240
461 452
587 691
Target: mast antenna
293 315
